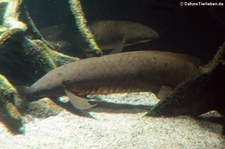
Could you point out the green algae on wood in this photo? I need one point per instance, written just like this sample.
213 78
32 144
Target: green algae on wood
12 14
3 6
28 60
8 111
21 56
11 20
81 23
57 57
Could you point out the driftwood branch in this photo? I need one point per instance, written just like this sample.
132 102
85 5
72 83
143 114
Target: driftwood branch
200 93
81 24
8 111
22 60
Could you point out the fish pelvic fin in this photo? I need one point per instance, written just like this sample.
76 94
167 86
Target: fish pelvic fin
164 91
79 102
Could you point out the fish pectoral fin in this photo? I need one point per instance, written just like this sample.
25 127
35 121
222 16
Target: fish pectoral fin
78 102
164 91
120 47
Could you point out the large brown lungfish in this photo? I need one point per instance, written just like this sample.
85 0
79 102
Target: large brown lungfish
116 73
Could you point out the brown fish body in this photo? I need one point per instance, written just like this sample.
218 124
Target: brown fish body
116 73
109 34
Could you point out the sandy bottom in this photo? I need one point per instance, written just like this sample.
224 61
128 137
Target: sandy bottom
115 128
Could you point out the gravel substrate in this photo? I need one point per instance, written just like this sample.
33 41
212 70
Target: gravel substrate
115 128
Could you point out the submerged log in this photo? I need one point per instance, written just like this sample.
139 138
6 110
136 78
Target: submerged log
22 60
9 114
81 24
200 93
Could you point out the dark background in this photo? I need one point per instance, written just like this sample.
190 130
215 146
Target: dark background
197 31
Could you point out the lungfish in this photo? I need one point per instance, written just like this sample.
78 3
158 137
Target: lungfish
109 34
114 34
117 73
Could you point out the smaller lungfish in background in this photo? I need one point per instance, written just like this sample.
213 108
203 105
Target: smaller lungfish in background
116 73
109 34
115 35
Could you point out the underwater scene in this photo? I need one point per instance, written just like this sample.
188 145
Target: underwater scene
124 74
